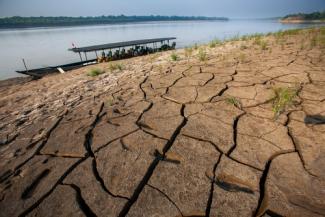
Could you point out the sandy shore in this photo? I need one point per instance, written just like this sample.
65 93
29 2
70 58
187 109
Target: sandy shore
300 21
232 129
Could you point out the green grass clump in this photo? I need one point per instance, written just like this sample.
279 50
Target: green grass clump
110 101
116 67
283 97
258 40
174 56
263 45
233 101
95 72
214 43
202 55
188 52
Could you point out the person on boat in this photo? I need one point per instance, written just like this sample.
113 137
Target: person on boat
123 53
109 55
173 45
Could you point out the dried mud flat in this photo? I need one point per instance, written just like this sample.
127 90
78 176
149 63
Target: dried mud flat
162 138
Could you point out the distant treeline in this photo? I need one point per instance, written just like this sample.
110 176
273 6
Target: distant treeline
20 22
311 16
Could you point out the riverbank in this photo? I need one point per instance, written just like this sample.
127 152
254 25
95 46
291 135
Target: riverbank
301 21
224 129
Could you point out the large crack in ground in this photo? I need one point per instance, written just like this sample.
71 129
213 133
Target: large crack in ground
152 166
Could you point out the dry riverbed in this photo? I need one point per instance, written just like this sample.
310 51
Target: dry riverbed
232 129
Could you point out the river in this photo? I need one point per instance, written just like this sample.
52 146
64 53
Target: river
41 47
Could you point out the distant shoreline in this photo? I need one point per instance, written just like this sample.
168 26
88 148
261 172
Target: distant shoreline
301 18
300 21
35 22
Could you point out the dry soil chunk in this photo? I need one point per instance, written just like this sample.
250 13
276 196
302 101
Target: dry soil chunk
182 176
56 206
236 189
291 191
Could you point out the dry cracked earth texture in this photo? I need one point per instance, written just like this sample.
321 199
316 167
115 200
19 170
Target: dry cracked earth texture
162 138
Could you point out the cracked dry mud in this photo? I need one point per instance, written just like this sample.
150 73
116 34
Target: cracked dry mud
161 139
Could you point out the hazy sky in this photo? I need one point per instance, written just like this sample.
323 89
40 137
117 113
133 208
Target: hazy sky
227 8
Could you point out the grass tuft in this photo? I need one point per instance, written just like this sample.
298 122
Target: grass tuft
174 56
202 55
263 45
214 43
233 101
283 98
188 52
95 72
116 67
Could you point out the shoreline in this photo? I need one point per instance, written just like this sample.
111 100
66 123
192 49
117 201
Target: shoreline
300 21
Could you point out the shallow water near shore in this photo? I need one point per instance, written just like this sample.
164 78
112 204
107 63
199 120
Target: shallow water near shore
41 47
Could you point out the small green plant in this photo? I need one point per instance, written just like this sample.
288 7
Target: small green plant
195 47
233 101
116 67
263 45
174 56
214 43
110 101
188 52
258 40
202 55
95 72
283 97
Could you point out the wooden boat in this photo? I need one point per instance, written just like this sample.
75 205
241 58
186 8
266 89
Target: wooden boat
135 45
40 72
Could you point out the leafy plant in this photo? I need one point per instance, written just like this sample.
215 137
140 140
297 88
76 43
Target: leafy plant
214 43
283 97
95 72
203 56
174 56
233 101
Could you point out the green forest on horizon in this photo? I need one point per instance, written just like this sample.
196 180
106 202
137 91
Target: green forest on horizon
20 22
310 16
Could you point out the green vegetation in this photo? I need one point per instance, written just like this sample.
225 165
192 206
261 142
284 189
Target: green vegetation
110 101
16 22
116 67
95 72
283 98
302 16
188 52
263 45
233 101
174 56
214 43
202 55
195 47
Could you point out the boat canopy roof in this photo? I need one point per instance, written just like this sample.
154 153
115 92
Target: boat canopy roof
120 44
